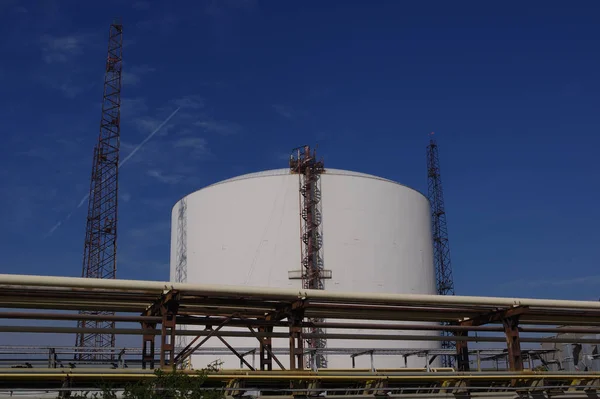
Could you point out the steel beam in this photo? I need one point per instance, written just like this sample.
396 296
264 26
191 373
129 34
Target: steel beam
189 350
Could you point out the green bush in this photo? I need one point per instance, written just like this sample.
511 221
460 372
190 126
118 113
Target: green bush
165 385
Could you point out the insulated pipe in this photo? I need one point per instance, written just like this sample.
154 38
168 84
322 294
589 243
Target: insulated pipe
299 375
78 316
334 336
379 326
286 294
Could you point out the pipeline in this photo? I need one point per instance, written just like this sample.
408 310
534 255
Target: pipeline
245 292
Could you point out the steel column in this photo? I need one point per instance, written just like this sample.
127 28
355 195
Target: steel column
462 352
513 343
165 306
148 346
296 341
266 347
167 338
509 318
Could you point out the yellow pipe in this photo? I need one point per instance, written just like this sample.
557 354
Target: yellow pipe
414 378
313 377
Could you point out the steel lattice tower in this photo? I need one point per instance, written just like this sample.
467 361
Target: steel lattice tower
181 261
304 163
441 247
181 265
100 249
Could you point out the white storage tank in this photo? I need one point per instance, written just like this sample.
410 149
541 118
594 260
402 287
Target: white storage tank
246 231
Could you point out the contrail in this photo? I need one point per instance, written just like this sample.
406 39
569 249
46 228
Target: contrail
127 158
148 138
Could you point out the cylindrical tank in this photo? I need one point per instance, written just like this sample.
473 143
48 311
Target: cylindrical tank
246 231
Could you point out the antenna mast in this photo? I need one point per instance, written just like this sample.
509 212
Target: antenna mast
441 247
304 163
100 249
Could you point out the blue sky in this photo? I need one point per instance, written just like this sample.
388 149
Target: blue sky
511 91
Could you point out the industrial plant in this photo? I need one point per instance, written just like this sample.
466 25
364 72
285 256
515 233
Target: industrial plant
300 281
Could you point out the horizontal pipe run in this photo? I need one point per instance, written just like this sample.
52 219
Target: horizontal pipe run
186 320
531 319
498 392
341 325
307 374
270 376
381 326
138 350
286 294
376 337
77 316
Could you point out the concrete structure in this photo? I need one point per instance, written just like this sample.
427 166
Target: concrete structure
245 231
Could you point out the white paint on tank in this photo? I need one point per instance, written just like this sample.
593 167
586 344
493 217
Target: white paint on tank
376 238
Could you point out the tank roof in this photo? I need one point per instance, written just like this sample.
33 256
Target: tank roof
286 171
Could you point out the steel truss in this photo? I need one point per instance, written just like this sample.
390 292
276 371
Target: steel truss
100 247
163 308
181 258
439 230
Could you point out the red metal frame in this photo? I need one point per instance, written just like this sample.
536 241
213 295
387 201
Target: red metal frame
441 247
304 163
100 249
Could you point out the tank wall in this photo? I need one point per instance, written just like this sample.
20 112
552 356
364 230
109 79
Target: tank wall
376 237
244 232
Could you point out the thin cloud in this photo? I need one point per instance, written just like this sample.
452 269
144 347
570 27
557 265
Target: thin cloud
121 163
558 282
157 203
146 123
133 76
148 138
140 5
69 86
221 8
196 145
38 152
284 111
282 156
139 240
132 107
189 102
134 111
70 90
164 178
60 49
224 128
149 231
163 24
